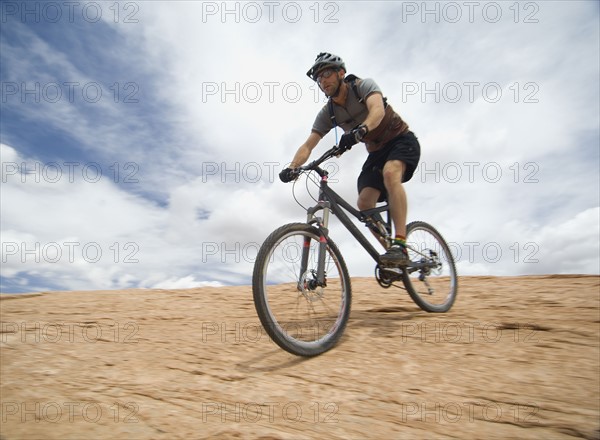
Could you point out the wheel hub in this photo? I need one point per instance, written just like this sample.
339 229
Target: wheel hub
310 286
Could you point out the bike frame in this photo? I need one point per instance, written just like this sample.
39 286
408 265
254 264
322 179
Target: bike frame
330 201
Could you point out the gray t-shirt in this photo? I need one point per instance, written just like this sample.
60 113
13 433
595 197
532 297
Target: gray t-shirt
350 115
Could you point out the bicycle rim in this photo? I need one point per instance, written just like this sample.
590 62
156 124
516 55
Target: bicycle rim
433 288
301 317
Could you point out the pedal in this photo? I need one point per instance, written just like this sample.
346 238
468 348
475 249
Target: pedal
387 276
392 270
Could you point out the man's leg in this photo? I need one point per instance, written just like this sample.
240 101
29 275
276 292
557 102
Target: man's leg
367 199
392 179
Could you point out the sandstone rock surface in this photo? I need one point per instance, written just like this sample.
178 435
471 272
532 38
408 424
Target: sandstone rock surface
516 357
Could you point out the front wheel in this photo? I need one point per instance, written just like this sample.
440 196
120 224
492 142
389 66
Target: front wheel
304 314
430 279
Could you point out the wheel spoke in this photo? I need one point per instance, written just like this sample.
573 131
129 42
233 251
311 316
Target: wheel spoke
431 278
299 314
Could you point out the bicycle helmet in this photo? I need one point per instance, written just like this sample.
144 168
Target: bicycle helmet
324 60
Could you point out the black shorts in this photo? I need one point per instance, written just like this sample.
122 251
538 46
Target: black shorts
405 148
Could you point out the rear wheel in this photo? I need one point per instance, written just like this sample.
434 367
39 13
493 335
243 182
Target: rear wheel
301 315
430 279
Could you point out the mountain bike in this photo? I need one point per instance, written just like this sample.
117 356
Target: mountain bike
301 285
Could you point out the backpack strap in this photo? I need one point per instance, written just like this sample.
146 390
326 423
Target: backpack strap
351 80
331 112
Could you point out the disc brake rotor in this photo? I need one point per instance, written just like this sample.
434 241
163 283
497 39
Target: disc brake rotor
310 289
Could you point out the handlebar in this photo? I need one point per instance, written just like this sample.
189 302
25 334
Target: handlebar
334 151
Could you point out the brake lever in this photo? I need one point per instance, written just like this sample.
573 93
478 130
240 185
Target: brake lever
297 173
338 151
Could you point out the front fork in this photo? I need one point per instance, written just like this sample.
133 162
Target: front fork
318 278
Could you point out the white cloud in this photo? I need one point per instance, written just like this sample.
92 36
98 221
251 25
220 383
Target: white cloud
85 234
572 246
216 112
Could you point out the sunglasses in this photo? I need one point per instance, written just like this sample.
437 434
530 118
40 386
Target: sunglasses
325 74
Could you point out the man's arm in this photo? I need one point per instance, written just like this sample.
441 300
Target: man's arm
305 149
376 111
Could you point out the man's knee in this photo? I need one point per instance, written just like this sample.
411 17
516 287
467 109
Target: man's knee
367 198
364 203
393 172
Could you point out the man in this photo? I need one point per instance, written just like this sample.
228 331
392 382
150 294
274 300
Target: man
394 151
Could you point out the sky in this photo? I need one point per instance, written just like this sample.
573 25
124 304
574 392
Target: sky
141 141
